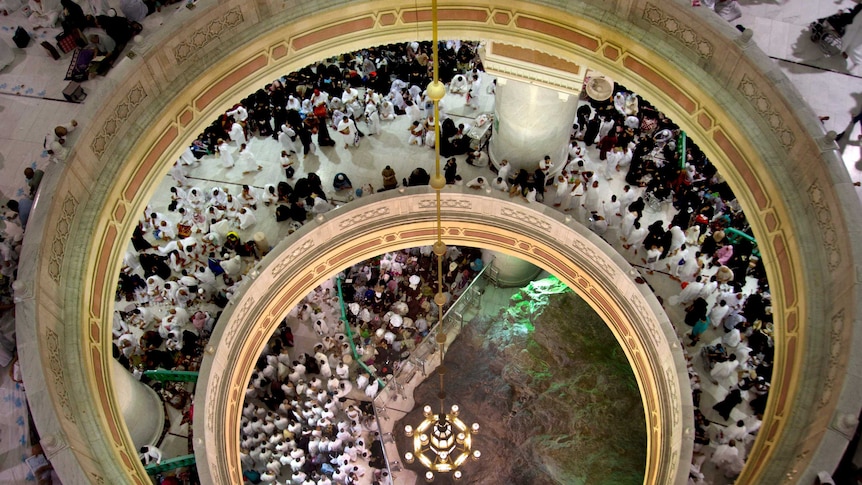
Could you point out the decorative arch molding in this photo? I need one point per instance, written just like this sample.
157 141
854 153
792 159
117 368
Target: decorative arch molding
389 221
725 93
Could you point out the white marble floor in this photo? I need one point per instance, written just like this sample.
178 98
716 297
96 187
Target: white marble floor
31 104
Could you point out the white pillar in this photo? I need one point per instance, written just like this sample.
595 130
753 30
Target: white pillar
530 122
512 271
142 408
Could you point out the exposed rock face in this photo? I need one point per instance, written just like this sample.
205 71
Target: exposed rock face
552 391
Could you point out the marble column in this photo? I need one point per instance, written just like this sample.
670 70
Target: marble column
530 122
143 410
511 270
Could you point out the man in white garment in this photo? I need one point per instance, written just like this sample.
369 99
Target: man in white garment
239 113
500 184
458 85
286 137
852 45
347 131
372 117
475 90
44 13
237 135
505 170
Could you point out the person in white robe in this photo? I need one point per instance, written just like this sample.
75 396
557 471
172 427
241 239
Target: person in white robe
459 84
237 135
372 118
561 189
179 174
269 195
347 131
9 6
475 91
246 218
44 13
500 184
637 237
239 113
247 160
387 110
692 291
285 137
225 155
852 45
416 134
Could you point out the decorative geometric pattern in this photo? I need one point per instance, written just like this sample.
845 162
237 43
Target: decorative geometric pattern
679 30
761 103
834 356
283 263
55 363
828 235
671 379
591 258
530 219
121 113
204 35
447 203
214 385
364 216
58 245
241 312
642 312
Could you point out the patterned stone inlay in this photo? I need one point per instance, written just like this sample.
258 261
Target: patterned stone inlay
363 216
761 103
213 390
240 315
679 30
58 244
526 217
836 339
55 362
445 203
121 113
671 379
642 313
588 253
828 235
204 35
283 263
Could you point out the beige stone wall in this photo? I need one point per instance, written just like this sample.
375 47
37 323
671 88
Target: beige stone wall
727 95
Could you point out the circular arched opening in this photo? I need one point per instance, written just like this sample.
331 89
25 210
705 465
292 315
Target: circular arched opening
391 221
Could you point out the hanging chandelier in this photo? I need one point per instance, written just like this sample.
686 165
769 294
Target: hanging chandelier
442 442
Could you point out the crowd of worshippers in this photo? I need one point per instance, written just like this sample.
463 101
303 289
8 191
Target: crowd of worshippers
308 418
318 106
186 260
14 215
706 246
100 31
300 422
